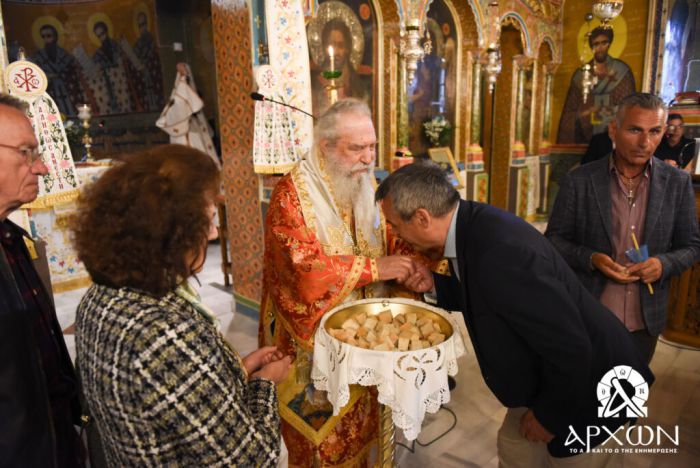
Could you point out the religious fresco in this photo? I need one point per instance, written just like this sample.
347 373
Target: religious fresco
350 27
431 96
618 60
103 52
681 62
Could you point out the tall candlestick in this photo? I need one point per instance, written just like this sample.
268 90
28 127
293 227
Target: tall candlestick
332 57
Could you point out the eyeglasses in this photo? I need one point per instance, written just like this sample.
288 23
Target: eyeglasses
674 127
30 155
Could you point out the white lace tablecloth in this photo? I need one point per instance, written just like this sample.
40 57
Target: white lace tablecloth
409 382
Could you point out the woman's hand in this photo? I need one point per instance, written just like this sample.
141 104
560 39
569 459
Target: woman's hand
275 371
261 357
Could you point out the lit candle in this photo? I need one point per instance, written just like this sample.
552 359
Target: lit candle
331 55
84 112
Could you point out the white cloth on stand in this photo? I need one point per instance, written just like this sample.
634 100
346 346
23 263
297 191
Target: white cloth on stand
409 382
184 120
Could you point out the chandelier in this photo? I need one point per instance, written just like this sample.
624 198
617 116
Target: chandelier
411 48
607 10
493 66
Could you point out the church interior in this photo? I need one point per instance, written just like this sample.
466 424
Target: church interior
505 95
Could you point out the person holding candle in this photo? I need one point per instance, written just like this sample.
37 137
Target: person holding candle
603 206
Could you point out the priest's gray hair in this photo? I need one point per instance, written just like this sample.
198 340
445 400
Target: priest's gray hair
420 185
644 100
328 124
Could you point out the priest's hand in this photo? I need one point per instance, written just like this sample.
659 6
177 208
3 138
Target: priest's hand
261 357
532 430
611 269
275 371
422 280
395 267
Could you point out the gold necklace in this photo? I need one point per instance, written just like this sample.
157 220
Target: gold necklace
631 186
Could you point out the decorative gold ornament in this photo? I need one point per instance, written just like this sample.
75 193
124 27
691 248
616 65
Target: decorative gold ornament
493 66
607 10
411 48
85 114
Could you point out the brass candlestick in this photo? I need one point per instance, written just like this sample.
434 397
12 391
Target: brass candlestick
84 115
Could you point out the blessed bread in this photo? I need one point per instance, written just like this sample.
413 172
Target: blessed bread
386 332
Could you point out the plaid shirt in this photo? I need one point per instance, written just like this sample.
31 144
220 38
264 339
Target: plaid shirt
166 389
56 366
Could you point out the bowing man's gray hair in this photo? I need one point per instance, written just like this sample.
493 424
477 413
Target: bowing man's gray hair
328 124
420 185
643 100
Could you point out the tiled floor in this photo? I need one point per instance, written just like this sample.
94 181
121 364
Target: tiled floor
674 398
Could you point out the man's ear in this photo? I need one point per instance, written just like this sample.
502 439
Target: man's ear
422 217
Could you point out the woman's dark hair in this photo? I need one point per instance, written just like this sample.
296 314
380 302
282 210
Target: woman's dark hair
141 221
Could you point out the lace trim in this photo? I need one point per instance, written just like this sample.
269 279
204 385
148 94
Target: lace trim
369 377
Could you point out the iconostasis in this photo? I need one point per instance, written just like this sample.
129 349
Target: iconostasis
449 95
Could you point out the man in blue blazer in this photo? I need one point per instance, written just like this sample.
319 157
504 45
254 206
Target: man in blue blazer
602 204
542 341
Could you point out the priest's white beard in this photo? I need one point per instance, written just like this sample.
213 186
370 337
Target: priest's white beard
353 189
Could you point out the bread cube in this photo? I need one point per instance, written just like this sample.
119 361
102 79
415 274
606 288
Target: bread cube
385 316
423 320
350 323
426 329
436 338
416 345
411 317
370 323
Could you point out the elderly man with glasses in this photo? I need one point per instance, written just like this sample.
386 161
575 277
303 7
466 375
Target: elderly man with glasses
38 386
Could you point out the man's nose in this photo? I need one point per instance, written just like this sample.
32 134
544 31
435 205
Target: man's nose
644 140
367 156
39 168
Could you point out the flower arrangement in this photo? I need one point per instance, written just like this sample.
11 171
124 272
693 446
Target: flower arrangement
438 130
74 133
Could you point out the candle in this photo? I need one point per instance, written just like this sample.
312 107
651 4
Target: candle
331 55
84 112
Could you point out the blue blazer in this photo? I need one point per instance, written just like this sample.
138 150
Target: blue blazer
581 224
541 340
